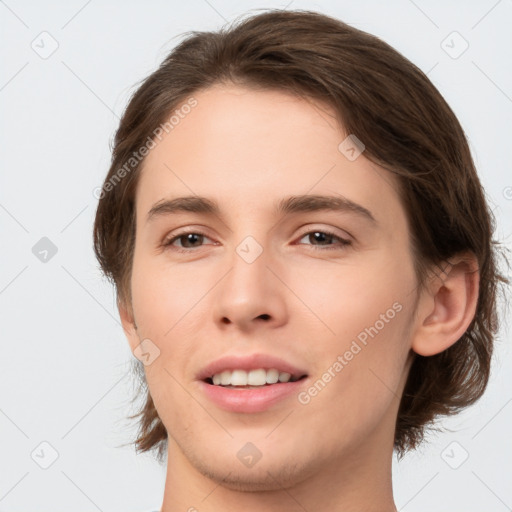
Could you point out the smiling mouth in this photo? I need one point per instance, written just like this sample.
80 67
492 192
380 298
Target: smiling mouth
253 379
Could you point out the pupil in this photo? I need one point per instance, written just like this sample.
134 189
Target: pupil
193 235
320 237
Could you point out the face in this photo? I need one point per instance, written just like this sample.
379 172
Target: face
322 293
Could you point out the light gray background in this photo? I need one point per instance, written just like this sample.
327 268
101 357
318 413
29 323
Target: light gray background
64 357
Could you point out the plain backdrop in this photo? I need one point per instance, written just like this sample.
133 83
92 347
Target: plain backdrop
67 71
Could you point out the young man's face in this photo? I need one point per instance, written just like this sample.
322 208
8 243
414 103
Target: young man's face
258 281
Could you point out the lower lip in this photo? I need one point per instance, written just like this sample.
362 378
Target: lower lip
250 400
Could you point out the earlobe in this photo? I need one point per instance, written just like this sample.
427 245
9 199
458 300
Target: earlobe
447 307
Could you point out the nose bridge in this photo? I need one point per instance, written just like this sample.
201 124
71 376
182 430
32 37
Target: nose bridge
249 275
249 290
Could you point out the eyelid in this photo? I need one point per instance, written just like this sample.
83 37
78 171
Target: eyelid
337 232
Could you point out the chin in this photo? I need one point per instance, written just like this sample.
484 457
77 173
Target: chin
270 477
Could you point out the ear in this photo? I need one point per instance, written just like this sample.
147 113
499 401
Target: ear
128 323
447 305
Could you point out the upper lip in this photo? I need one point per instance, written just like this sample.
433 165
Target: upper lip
247 363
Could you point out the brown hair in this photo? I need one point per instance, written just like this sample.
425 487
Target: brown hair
407 127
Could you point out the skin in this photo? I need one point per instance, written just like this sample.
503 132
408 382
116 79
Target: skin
247 149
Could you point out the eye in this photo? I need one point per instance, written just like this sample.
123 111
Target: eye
324 237
193 239
189 240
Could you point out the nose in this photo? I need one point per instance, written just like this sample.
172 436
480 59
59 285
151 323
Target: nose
252 292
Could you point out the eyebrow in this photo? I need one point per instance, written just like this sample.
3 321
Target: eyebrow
288 205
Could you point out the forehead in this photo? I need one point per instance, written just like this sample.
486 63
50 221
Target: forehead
252 147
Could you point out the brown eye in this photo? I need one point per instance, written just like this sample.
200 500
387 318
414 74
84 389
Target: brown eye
188 241
324 238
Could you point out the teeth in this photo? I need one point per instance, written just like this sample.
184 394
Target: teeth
239 378
254 377
272 376
259 377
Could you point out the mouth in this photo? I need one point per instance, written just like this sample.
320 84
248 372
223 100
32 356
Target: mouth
252 379
256 371
251 385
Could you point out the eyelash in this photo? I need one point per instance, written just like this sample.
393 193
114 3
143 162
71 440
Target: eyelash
343 242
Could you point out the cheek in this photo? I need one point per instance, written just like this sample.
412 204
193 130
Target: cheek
358 385
166 298
364 298
363 338
167 308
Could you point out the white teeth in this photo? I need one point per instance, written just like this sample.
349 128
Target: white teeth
225 378
256 377
239 378
272 376
284 377
259 377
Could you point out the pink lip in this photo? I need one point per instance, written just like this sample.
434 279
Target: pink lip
250 400
251 362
